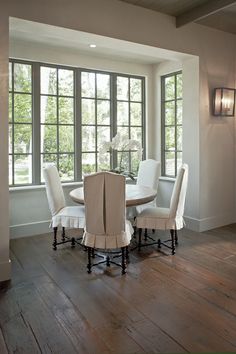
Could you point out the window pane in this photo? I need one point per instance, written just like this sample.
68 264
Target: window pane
88 138
136 134
134 162
135 113
103 135
170 113
10 170
135 90
48 80
45 160
179 160
103 86
22 108
48 109
124 131
22 77
179 111
23 138
23 169
122 88
88 164
48 138
122 113
179 138
66 167
170 138
123 160
88 111
103 112
66 138
170 163
104 162
66 82
10 107
66 110
179 85
10 76
10 139
88 84
170 88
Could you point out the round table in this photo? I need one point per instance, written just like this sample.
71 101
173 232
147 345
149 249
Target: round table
135 195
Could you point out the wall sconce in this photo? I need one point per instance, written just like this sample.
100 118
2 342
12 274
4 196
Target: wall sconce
224 102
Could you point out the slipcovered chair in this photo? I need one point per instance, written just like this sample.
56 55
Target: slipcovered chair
166 218
62 215
106 226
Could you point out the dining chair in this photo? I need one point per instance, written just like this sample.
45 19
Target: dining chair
106 227
166 218
62 216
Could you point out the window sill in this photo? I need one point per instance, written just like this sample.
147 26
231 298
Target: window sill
42 186
167 179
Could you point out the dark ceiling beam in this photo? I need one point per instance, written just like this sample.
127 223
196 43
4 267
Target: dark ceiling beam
201 11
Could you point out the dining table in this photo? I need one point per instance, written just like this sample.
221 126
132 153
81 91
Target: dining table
135 195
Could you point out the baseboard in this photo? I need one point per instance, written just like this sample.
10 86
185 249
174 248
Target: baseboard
5 271
201 225
24 230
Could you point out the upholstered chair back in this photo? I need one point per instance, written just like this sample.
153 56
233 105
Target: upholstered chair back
104 195
149 173
55 195
179 192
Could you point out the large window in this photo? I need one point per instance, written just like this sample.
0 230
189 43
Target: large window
62 115
171 123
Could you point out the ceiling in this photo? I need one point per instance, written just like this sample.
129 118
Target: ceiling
219 14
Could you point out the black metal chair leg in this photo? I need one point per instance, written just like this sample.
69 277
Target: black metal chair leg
89 266
139 239
153 231
72 242
108 261
63 234
159 243
145 234
127 253
123 262
172 241
176 238
54 245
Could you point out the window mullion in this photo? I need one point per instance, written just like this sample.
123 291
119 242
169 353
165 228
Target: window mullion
114 116
78 126
36 123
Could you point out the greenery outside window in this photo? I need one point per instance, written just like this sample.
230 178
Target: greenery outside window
62 115
171 107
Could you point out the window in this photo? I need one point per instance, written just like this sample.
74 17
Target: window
62 115
171 123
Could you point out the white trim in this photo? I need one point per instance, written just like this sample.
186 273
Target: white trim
25 230
5 271
201 225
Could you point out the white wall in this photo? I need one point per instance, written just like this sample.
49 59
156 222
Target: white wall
216 50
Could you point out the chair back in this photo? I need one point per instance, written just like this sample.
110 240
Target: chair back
104 196
55 195
179 192
149 173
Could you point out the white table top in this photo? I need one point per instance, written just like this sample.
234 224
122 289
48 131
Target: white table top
135 195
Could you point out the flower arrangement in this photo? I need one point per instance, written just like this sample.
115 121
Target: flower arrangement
122 144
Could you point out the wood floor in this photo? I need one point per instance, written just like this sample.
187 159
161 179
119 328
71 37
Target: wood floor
165 304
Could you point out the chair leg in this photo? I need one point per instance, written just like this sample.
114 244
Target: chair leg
108 261
63 234
139 239
127 253
145 234
54 245
72 242
89 266
176 238
123 262
172 241
159 243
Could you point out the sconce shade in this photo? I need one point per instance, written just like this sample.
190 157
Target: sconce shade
224 102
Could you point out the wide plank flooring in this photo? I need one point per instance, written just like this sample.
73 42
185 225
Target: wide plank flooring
164 304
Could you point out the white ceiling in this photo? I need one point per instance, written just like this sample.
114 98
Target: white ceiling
27 31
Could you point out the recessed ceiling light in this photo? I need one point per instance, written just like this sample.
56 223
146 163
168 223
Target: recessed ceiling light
92 45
